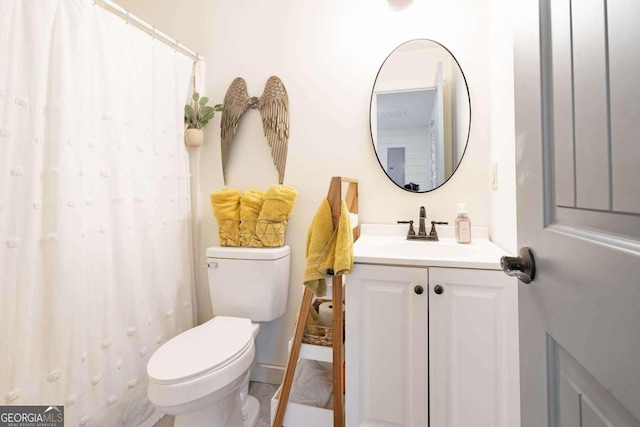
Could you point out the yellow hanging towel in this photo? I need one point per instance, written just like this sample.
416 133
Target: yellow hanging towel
329 253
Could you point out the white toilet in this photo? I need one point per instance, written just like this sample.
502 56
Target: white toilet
202 375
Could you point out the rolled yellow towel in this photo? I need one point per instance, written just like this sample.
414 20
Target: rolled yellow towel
226 209
250 206
277 206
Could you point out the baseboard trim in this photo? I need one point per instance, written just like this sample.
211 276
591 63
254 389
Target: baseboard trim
269 374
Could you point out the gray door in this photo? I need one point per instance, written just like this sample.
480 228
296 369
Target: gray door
395 165
577 73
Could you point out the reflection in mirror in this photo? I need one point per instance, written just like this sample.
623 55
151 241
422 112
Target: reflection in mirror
420 115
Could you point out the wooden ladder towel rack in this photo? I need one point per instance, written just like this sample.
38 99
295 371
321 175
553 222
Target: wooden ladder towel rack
334 197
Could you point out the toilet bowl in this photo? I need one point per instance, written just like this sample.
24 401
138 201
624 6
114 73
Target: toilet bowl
197 376
201 376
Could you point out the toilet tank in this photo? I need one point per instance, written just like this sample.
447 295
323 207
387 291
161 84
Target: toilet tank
249 282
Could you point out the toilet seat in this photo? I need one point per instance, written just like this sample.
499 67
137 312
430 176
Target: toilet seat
201 351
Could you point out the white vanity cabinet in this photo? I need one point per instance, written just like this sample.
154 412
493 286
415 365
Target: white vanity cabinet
473 348
446 356
386 346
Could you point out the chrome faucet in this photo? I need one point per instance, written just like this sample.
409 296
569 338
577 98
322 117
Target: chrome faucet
422 230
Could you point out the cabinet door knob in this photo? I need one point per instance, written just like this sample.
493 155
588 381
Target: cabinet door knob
418 290
438 289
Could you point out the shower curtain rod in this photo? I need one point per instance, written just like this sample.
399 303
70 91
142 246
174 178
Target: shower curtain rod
147 28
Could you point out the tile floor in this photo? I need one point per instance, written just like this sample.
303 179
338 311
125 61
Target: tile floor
261 391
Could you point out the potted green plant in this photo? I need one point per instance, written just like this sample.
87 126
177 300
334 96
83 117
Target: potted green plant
196 116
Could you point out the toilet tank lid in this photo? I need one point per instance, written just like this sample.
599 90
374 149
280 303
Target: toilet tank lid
227 252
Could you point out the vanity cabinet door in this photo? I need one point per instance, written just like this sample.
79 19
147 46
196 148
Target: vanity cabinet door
386 346
473 348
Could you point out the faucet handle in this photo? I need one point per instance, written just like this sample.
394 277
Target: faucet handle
433 231
411 231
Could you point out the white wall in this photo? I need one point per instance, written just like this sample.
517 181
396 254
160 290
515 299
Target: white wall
327 53
503 200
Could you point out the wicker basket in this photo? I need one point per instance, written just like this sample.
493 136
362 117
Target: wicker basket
261 232
325 340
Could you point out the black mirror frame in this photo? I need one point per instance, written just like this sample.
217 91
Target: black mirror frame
371 106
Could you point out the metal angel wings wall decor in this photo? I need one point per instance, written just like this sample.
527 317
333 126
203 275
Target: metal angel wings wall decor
274 109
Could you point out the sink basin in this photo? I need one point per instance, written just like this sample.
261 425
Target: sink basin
388 245
424 249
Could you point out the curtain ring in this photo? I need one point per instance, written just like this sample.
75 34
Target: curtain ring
128 17
175 50
153 33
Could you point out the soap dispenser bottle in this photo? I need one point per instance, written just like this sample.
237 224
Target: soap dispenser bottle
463 225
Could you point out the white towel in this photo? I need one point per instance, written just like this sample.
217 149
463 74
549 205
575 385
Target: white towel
312 385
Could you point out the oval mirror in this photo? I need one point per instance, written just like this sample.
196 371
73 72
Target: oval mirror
420 115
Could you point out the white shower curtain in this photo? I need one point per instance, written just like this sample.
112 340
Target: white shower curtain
95 245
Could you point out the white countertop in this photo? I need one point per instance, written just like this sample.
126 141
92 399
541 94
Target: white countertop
387 244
